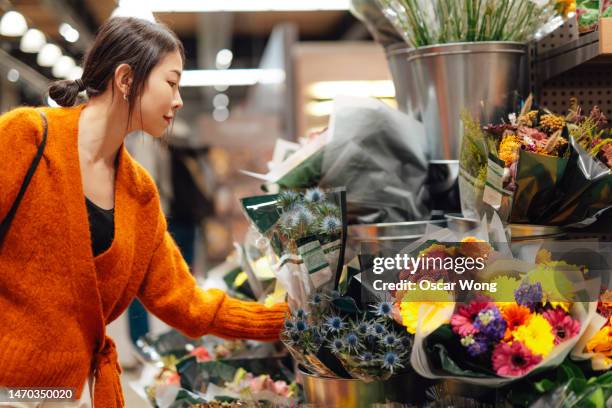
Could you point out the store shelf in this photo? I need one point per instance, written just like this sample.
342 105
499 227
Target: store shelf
595 47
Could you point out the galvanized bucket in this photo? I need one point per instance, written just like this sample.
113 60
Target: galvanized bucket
403 79
321 392
484 78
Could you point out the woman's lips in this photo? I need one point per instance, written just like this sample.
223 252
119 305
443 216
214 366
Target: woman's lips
168 119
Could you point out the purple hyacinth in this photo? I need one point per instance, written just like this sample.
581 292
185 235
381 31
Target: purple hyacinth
529 295
476 344
490 322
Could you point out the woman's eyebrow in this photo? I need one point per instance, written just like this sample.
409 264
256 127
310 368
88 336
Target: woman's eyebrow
177 72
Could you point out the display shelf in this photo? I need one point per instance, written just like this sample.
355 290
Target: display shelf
594 47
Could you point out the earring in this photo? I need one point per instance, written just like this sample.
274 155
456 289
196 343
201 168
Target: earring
125 98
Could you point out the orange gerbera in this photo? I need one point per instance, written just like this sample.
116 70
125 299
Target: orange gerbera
515 316
602 341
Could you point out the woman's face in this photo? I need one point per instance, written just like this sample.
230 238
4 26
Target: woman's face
160 98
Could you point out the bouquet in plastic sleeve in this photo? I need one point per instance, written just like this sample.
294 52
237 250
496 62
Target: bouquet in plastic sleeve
338 339
526 319
596 344
305 233
539 173
427 22
373 151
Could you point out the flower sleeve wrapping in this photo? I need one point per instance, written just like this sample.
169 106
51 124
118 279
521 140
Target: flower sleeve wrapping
171 293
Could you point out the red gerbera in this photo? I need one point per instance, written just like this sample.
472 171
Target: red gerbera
564 327
514 360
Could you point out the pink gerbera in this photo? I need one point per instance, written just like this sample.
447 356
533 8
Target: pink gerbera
564 327
514 360
463 320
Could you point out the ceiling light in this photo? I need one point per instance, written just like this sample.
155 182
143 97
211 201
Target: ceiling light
13 24
232 77
48 55
194 6
220 100
224 59
70 34
12 75
221 114
63 67
75 73
32 41
331 89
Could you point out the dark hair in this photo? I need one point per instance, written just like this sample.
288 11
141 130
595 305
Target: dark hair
120 40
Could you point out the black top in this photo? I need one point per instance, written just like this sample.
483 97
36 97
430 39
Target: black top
101 227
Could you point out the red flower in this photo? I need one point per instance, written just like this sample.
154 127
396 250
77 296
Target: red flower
564 327
201 354
514 360
463 321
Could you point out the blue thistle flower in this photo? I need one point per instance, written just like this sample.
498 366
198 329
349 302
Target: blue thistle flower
314 195
391 361
379 330
287 198
336 346
300 313
295 337
406 342
363 329
351 340
366 357
301 325
334 323
383 309
316 299
389 340
330 224
289 325
304 216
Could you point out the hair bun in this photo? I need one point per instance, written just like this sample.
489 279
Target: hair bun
65 92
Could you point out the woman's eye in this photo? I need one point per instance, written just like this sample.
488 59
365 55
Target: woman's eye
172 84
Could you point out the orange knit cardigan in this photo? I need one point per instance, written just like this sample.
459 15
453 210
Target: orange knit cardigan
56 298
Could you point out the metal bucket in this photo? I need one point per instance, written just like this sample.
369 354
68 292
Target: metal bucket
483 78
403 79
322 392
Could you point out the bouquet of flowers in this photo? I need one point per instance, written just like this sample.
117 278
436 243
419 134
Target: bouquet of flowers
337 339
538 168
305 233
596 344
427 22
494 338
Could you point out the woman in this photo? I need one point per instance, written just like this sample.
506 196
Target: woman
89 235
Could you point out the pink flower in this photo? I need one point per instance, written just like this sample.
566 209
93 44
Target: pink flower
281 388
564 327
201 354
463 321
514 359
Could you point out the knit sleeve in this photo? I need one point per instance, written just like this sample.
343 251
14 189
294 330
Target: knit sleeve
170 292
20 131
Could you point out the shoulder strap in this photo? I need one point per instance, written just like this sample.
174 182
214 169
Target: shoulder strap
6 222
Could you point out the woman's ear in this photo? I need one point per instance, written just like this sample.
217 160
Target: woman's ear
123 79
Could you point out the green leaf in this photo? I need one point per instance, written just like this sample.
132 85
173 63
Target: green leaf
544 386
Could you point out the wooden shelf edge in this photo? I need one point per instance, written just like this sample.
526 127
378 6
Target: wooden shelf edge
605 35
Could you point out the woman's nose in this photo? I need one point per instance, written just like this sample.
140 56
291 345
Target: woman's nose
178 101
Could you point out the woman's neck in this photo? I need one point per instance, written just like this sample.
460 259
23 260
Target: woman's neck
102 129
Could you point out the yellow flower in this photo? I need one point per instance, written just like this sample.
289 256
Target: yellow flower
543 256
602 341
551 122
564 7
426 306
537 335
509 148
